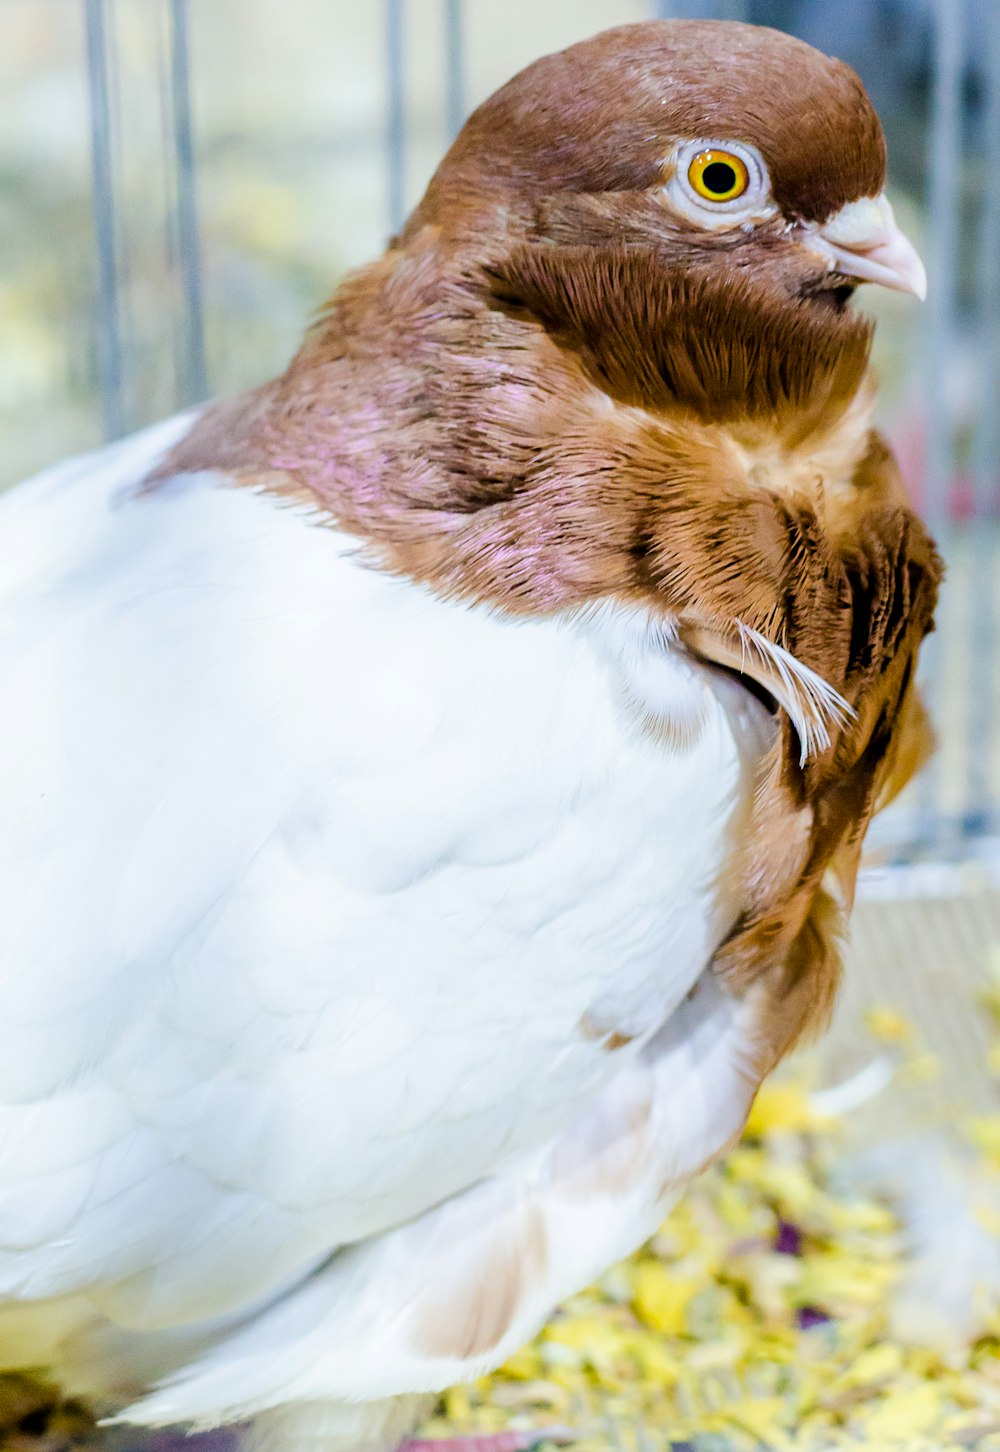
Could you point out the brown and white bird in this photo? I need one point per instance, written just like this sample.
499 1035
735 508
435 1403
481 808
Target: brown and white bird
432 783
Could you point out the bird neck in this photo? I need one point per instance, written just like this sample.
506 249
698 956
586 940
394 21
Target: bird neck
559 426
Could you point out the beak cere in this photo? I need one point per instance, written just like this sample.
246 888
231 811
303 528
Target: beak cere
863 241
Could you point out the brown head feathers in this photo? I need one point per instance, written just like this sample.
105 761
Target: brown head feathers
601 116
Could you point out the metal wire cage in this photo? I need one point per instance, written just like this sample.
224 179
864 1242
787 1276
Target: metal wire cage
239 156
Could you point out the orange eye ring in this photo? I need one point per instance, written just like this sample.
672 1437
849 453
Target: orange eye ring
718 176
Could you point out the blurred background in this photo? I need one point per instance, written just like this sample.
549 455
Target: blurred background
183 182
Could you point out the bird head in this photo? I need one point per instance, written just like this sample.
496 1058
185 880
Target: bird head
704 139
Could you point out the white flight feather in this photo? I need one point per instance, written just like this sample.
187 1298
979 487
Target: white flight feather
811 702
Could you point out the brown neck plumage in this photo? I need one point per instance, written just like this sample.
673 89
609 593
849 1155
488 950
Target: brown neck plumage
722 343
542 430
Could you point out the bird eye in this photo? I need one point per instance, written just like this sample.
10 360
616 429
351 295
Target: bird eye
718 176
718 183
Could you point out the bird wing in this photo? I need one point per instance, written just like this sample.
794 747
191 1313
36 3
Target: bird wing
449 1295
310 882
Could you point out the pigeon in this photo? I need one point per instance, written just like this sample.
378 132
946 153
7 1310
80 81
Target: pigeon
433 781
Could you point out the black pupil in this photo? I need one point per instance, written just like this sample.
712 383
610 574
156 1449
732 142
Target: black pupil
718 177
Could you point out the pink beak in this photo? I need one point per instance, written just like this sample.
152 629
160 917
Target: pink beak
862 240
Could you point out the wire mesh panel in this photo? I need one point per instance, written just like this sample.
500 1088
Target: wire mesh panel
240 159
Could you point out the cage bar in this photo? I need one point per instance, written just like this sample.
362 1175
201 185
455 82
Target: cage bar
944 146
395 130
193 382
454 43
980 803
108 321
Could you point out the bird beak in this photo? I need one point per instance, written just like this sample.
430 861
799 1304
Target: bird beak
862 240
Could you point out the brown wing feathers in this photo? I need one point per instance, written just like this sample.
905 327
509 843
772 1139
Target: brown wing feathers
806 841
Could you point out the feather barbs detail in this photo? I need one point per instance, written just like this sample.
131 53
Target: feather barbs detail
813 706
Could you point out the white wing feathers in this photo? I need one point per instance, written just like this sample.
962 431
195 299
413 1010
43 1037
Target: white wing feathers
449 1295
